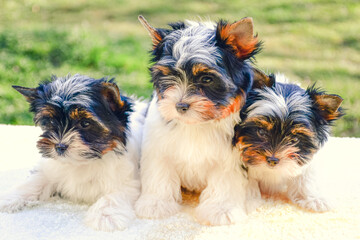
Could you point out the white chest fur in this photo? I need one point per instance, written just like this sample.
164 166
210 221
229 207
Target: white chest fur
192 149
275 180
88 182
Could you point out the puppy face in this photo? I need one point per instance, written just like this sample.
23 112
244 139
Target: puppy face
200 71
82 118
284 126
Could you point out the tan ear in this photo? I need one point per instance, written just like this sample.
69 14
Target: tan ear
262 80
328 105
111 93
154 34
240 35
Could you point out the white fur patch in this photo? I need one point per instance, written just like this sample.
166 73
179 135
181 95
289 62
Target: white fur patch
196 42
273 103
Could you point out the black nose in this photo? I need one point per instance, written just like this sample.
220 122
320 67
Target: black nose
272 161
60 148
182 107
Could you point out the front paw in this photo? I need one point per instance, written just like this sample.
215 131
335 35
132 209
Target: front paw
104 216
151 207
219 214
13 204
314 204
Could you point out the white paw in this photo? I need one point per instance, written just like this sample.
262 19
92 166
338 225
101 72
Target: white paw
252 204
314 204
104 216
253 197
151 207
13 204
219 215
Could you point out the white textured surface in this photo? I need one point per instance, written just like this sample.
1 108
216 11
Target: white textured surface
339 163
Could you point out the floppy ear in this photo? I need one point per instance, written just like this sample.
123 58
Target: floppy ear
262 80
328 106
29 93
111 94
154 34
240 36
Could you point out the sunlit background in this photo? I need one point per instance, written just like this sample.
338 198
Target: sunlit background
309 41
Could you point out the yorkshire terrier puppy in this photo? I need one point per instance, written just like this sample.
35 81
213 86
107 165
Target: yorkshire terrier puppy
90 147
282 128
201 76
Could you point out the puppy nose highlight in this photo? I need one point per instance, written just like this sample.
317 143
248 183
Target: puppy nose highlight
182 107
272 161
60 148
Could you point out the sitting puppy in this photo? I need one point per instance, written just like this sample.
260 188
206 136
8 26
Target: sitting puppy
90 147
201 76
282 128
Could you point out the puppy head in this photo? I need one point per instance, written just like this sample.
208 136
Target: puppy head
82 118
284 126
201 70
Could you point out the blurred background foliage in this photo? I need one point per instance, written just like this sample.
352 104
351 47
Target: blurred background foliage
309 41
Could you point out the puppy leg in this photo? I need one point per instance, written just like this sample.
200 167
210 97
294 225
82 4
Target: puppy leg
222 201
303 191
35 188
253 196
160 188
114 211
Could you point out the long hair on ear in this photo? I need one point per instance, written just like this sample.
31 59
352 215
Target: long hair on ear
238 38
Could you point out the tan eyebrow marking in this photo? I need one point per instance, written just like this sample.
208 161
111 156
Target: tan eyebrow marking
163 69
302 130
261 122
202 68
80 113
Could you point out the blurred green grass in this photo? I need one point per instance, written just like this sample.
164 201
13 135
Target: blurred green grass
310 41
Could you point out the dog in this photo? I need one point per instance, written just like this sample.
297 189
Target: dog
201 76
282 127
90 147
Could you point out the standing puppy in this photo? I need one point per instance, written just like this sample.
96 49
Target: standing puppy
90 147
201 77
282 128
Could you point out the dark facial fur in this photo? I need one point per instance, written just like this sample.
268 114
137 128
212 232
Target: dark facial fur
285 123
82 118
201 72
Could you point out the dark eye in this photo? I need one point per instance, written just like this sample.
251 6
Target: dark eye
44 122
261 132
47 122
84 123
206 80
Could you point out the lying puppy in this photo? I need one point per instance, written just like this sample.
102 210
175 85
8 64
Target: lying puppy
90 146
282 128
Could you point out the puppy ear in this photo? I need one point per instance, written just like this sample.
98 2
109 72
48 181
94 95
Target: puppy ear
29 93
240 36
262 80
154 34
111 94
328 105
